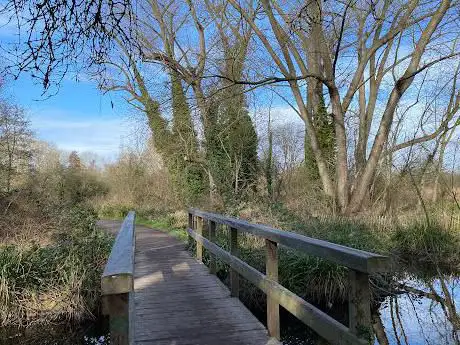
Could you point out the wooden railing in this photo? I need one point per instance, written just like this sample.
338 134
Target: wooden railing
117 283
360 264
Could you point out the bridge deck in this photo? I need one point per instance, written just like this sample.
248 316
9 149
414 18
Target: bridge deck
178 302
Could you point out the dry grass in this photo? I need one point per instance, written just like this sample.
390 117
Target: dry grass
50 272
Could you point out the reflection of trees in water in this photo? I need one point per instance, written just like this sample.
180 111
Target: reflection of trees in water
379 329
438 295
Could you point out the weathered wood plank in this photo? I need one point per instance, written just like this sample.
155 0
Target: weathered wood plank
117 284
175 320
173 307
248 337
117 307
359 309
172 313
199 247
158 295
234 277
212 238
197 330
273 308
118 272
356 259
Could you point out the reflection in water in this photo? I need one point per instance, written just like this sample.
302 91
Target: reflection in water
420 314
425 315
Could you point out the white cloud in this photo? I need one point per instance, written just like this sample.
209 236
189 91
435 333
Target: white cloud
101 134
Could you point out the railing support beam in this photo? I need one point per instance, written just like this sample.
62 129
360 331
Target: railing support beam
191 225
199 246
359 302
117 283
212 238
273 308
234 277
360 263
117 308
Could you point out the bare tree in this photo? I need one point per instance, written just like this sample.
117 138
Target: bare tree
15 139
318 41
61 38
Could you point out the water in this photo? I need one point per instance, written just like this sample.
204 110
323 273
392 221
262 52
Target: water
91 333
432 319
426 316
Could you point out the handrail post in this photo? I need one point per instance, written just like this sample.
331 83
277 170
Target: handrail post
212 238
117 283
191 226
234 278
273 308
359 304
117 308
199 246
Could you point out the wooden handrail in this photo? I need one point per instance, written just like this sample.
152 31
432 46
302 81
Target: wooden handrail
356 259
117 283
361 263
119 270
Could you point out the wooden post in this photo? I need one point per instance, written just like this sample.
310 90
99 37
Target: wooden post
199 246
191 226
273 308
117 308
205 228
234 278
359 304
190 220
212 238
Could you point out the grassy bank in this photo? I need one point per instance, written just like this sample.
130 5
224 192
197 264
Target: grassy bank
54 276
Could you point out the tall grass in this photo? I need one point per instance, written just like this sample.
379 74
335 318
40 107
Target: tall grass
56 281
428 249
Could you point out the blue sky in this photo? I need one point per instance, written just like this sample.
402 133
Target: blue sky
79 117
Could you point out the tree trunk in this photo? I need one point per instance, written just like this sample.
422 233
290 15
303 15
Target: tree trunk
361 145
328 186
342 156
444 141
365 179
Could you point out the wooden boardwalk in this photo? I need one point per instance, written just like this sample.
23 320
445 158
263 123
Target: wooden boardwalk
155 292
178 302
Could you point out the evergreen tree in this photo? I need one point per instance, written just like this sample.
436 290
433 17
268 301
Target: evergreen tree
158 125
231 145
269 165
231 139
177 145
